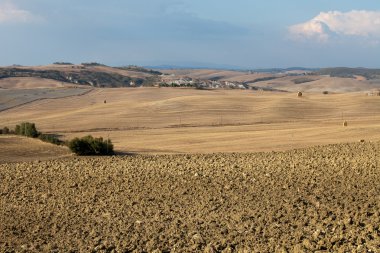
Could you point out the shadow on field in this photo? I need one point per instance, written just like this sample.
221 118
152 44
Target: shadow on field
123 153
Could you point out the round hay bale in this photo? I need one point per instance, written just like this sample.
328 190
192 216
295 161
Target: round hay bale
345 124
299 94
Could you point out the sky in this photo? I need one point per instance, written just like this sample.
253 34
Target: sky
247 34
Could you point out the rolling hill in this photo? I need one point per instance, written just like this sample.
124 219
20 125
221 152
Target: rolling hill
93 74
350 72
170 120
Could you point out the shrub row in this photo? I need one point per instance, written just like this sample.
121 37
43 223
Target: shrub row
87 145
51 138
5 130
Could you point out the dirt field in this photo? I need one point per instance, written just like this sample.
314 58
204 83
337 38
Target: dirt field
165 120
18 149
323 199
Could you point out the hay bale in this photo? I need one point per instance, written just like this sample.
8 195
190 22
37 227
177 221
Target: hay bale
299 94
345 124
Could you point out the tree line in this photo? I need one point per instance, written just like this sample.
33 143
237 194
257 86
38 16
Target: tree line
87 145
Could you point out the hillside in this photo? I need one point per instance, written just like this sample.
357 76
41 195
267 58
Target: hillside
94 75
40 89
350 72
22 149
101 76
169 120
319 84
338 80
31 83
210 74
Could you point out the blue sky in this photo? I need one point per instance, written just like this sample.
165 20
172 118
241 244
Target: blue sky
241 33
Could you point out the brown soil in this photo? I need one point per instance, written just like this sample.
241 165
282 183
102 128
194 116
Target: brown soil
323 199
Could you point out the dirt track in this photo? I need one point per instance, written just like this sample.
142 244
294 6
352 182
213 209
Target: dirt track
324 199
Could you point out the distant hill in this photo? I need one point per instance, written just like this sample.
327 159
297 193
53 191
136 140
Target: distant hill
141 69
285 70
92 74
195 66
350 72
232 68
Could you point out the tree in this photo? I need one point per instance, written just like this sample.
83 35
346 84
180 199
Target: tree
27 129
89 145
5 130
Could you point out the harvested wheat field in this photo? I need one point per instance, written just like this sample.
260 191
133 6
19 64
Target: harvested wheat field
322 199
165 120
22 149
30 83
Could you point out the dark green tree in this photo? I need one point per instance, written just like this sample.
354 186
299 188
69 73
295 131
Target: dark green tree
5 130
27 129
89 145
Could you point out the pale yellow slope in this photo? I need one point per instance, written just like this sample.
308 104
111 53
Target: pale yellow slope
188 120
18 149
30 83
320 84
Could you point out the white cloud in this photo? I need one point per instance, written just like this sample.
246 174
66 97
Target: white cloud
354 23
9 13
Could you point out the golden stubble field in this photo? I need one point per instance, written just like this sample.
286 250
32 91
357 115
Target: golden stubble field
166 120
22 149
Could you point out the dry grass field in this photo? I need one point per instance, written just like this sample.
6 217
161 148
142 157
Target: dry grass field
20 149
323 199
320 84
168 120
30 83
11 98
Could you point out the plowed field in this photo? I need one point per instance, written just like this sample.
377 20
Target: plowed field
323 199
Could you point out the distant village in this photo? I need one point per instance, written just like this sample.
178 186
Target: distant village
171 81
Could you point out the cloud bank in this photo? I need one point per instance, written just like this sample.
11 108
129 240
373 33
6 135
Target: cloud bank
326 24
9 13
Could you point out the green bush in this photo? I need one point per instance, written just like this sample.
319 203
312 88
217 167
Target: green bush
51 138
6 130
89 145
27 129
302 80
